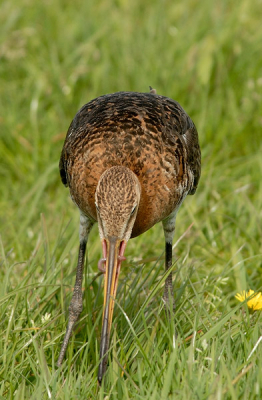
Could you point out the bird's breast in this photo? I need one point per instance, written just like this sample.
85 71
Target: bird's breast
163 177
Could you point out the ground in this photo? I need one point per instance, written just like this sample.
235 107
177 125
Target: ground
56 56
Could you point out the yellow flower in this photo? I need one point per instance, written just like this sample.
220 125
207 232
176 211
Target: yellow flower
255 301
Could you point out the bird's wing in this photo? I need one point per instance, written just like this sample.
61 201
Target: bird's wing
71 135
63 169
183 126
193 153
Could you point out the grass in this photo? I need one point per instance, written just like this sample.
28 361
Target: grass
56 56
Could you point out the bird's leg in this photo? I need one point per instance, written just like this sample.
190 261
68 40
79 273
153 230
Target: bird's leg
76 304
169 230
168 293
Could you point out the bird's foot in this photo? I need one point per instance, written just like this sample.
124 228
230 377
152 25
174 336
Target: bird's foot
169 300
102 262
101 265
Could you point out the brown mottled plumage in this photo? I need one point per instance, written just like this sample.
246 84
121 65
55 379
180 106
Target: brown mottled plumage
129 160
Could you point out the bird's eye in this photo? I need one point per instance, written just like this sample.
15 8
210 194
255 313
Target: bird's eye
134 209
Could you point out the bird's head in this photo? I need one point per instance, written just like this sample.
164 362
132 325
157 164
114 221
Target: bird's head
117 200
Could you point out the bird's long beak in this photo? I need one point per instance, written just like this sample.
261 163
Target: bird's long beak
114 255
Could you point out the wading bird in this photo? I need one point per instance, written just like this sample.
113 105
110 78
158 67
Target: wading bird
129 160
